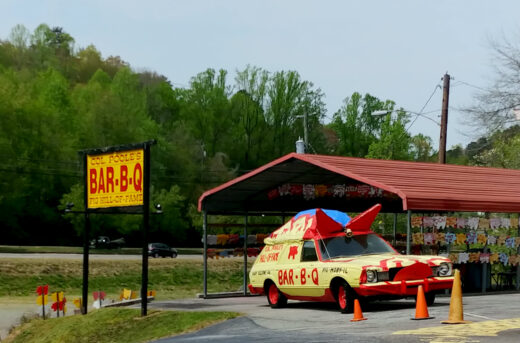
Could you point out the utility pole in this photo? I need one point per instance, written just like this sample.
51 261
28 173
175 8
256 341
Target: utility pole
444 118
305 133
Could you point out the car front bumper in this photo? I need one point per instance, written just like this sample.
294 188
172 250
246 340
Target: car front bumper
405 287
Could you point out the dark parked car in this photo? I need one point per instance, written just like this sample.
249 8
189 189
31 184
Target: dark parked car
161 249
103 242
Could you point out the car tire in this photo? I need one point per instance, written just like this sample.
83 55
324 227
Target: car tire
275 298
345 298
156 255
174 254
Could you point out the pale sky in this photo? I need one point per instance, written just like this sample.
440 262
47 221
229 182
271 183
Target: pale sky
396 50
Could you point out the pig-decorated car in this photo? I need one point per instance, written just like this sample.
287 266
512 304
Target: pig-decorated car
324 255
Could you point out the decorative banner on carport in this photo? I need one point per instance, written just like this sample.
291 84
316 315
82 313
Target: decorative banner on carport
479 257
498 235
472 223
311 191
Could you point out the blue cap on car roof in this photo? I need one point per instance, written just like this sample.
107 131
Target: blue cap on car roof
337 216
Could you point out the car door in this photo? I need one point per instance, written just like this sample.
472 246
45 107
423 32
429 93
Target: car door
308 271
288 268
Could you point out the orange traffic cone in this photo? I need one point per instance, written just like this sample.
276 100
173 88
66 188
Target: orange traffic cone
358 315
456 312
421 310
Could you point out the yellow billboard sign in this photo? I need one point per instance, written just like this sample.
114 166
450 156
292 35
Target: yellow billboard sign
115 179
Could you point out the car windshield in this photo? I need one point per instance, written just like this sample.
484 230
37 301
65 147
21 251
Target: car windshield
343 246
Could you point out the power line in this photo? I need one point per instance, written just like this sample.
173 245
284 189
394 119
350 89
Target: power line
459 82
437 86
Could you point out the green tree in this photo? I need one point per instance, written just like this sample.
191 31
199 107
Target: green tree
43 55
206 109
20 37
500 150
89 61
356 126
421 149
289 100
36 153
113 64
247 110
59 40
40 34
114 115
457 155
162 103
394 141
171 226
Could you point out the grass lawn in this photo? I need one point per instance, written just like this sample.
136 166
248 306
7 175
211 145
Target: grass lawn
170 278
114 325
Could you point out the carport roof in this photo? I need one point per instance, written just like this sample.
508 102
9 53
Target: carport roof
415 186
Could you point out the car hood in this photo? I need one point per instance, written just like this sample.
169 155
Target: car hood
383 262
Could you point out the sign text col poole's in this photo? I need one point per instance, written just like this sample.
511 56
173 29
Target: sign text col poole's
115 179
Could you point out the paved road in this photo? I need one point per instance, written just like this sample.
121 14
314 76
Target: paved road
91 256
10 315
388 321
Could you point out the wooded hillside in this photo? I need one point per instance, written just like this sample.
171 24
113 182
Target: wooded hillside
56 100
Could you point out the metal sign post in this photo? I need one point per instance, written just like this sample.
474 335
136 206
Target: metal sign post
86 238
146 223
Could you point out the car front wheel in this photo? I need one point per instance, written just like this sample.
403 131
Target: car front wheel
156 255
345 298
275 298
174 254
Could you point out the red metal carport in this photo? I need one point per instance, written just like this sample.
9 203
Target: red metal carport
400 186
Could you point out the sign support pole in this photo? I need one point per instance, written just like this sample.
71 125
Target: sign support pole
146 223
84 297
114 162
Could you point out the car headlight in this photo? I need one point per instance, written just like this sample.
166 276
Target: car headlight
444 269
371 276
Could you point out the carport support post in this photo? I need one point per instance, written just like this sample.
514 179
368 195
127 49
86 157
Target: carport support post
395 228
408 232
484 273
518 272
518 265
245 254
205 252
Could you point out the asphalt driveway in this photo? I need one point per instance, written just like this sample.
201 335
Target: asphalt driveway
496 318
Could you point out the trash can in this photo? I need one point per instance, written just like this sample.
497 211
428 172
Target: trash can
473 277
